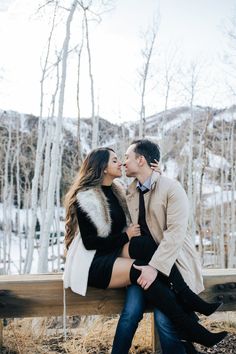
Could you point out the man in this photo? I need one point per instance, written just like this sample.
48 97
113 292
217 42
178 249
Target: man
160 206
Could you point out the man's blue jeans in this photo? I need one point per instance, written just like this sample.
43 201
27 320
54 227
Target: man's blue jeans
131 315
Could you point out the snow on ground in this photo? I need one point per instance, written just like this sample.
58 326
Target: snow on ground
55 253
55 250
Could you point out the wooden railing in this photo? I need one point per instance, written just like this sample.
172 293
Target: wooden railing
42 295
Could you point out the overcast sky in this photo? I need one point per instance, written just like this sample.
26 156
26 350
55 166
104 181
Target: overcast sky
194 27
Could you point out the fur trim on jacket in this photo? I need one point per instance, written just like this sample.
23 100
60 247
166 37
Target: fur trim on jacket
94 203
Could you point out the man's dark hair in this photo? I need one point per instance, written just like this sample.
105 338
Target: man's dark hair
148 149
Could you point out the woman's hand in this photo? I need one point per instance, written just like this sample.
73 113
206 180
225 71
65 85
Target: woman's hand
133 230
155 166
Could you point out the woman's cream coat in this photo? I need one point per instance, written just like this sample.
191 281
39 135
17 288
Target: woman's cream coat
167 218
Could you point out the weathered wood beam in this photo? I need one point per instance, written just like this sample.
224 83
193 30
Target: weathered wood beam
42 295
220 284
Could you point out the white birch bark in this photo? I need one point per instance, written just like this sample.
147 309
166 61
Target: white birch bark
6 200
93 116
47 155
215 229
18 194
227 204
55 153
168 79
222 213
232 236
9 211
190 168
202 158
147 55
57 214
191 90
78 96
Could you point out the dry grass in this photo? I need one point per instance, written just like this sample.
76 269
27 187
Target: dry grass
92 336
89 335
218 322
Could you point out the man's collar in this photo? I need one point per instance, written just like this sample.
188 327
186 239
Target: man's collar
133 186
146 185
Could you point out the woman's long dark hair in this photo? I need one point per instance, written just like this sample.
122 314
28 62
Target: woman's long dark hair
91 174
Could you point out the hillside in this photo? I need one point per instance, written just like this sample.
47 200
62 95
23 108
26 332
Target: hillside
170 129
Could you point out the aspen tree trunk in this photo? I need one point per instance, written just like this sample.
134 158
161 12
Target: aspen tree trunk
215 229
190 173
147 54
78 96
6 200
27 208
163 120
46 171
18 193
202 157
192 92
10 203
93 116
49 129
222 213
38 158
57 215
232 236
216 217
55 153
227 226
168 79
227 204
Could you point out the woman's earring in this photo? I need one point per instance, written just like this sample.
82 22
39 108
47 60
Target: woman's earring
105 171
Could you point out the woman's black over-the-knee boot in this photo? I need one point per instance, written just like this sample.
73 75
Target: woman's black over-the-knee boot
143 247
189 329
188 298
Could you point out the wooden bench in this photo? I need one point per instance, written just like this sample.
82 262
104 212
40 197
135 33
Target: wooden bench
42 295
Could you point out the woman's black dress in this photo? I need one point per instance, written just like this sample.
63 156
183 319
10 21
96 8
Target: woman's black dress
108 248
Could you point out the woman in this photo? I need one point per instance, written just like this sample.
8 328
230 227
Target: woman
96 205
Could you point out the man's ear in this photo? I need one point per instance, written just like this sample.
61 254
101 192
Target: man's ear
141 160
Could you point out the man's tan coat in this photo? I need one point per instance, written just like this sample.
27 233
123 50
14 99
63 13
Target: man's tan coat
167 218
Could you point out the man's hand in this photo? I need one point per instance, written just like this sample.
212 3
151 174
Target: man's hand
147 276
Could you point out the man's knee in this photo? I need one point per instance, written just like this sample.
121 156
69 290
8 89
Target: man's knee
134 305
132 314
164 325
